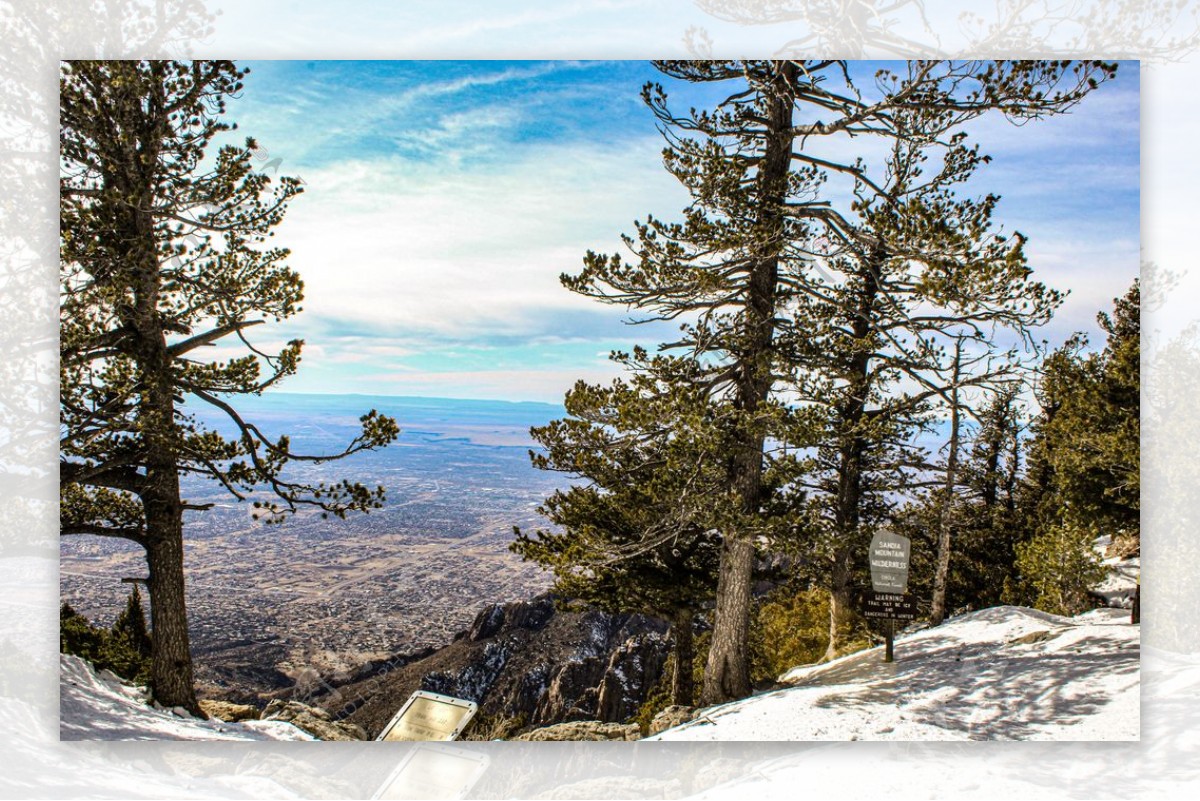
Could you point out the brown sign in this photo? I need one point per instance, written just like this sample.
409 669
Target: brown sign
890 605
429 716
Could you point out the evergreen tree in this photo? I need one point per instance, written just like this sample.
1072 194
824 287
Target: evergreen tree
165 251
1093 442
635 538
77 636
749 272
982 510
990 527
117 649
1084 460
1057 568
919 302
130 625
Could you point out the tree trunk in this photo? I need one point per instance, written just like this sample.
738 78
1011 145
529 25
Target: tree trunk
727 672
841 619
171 679
937 612
682 686
852 415
171 661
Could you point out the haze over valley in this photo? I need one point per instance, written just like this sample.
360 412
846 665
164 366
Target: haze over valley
275 605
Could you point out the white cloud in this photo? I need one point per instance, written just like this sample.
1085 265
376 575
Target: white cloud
429 249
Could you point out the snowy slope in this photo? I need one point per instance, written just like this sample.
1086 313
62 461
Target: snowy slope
1005 673
100 707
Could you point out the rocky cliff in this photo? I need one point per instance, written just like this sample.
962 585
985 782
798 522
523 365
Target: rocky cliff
524 660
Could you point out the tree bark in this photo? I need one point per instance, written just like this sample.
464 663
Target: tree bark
937 612
852 415
727 672
682 686
171 676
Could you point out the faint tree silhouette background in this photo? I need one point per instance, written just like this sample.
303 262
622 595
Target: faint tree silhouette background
36 33
1153 31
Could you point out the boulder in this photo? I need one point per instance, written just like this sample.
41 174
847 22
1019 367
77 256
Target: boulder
671 717
583 730
229 711
487 623
572 692
632 670
314 720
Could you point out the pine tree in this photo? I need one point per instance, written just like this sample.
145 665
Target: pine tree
165 251
1083 479
748 271
636 537
131 625
909 309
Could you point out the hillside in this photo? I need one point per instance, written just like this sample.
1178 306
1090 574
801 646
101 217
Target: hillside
1005 673
101 707
525 660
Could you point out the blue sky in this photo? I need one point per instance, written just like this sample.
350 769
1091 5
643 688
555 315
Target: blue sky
443 200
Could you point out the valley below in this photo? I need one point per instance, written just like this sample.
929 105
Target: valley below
290 608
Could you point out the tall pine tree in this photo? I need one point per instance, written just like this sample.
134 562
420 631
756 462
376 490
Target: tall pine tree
785 289
165 251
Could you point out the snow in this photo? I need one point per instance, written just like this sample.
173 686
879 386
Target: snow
1123 578
101 707
1005 673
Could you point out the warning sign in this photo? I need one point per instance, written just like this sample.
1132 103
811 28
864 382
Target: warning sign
889 605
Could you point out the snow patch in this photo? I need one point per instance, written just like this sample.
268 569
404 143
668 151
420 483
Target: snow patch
102 707
1005 673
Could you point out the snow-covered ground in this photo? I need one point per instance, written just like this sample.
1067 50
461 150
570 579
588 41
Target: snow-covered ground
1123 577
1005 673
101 707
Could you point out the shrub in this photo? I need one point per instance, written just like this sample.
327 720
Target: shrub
1056 570
124 649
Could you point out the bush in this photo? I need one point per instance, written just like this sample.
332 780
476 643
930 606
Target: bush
790 627
1055 572
124 649
658 698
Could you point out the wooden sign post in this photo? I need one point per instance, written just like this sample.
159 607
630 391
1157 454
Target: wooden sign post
889 580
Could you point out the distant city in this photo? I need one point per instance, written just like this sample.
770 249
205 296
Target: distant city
274 605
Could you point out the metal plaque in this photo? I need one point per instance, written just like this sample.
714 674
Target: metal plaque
889 563
429 716
890 605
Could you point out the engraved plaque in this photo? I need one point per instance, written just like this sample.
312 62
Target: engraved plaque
429 716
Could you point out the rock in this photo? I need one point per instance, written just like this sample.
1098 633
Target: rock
633 669
1034 637
314 720
572 691
671 717
487 623
472 682
530 615
584 730
229 712
530 661
1123 546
